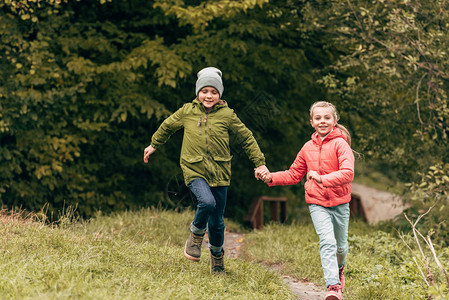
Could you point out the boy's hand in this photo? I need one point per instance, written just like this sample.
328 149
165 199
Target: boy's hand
263 174
147 152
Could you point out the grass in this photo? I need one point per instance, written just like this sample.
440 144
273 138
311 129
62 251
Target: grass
125 256
138 255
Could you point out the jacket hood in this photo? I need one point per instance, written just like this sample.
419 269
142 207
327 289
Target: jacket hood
221 103
335 133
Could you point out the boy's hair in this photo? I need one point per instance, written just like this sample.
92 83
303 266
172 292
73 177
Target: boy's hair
336 116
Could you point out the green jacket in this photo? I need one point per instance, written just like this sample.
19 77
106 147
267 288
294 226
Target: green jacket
205 149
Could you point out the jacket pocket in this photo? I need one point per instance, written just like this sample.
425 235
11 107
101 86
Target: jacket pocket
341 190
223 158
313 189
192 159
223 167
193 167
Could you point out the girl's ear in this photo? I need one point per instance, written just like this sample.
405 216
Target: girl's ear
311 123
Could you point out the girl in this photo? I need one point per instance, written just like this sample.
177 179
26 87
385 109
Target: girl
206 159
328 161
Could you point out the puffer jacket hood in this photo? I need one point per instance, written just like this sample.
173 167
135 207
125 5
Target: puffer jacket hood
333 159
335 133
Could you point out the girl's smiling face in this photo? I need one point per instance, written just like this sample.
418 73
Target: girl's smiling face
209 96
323 120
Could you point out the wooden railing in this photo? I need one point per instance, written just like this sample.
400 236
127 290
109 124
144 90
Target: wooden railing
278 206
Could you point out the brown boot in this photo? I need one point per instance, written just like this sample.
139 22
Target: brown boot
217 263
192 249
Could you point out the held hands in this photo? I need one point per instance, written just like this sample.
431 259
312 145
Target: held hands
262 173
314 175
147 152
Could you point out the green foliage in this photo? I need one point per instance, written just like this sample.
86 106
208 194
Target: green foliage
432 191
392 77
63 112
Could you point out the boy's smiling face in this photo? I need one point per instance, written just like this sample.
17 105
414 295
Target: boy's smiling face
323 120
209 96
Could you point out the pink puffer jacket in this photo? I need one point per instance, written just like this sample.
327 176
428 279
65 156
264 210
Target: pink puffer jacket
333 159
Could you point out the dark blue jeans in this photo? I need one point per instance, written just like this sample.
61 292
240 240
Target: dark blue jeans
210 212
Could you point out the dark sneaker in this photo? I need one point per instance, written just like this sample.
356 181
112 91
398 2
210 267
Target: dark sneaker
334 292
341 274
217 263
192 250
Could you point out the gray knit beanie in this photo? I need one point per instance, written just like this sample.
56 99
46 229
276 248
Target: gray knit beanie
209 76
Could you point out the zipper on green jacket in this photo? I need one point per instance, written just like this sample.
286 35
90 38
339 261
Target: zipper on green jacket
207 159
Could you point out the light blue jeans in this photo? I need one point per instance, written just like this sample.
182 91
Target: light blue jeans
209 212
331 225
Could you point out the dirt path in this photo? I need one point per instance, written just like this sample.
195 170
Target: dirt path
303 290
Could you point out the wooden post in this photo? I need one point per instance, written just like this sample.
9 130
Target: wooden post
258 222
274 211
283 211
356 207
